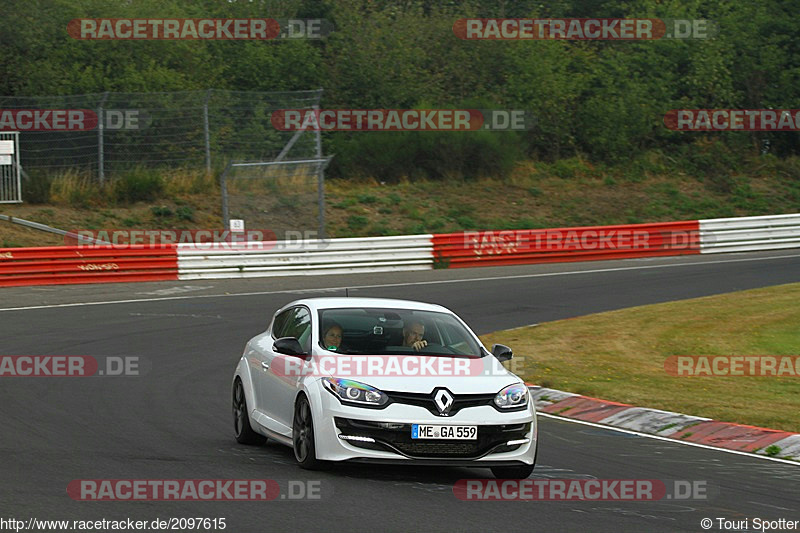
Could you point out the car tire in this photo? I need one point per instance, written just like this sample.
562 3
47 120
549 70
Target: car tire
305 450
241 419
512 472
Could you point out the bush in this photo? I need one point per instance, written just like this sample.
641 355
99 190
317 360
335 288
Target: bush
185 213
77 190
366 199
390 156
357 222
36 189
572 167
433 155
161 211
713 161
138 186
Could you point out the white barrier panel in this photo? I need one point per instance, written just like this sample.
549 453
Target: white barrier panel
748 234
310 257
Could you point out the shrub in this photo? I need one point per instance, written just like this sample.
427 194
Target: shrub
572 167
366 199
36 188
161 211
138 186
390 156
185 213
356 222
77 190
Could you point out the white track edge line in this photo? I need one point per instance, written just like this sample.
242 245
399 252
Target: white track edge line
667 439
383 285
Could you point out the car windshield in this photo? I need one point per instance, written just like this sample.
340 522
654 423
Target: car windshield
383 331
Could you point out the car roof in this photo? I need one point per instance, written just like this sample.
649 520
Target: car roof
349 303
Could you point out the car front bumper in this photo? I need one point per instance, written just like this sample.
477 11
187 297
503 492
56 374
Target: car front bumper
348 433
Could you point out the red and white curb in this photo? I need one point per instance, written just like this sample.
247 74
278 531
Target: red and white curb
666 424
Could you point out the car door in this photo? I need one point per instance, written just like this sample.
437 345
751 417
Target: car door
259 357
280 373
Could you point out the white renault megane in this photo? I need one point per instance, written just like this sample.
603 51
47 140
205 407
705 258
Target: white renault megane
383 381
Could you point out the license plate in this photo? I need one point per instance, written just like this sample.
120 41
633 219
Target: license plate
426 431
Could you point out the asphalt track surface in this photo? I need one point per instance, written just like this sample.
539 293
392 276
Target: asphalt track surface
175 421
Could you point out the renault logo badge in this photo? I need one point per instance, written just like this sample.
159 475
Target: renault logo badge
444 401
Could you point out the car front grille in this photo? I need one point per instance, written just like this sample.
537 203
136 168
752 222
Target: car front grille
396 437
438 449
460 401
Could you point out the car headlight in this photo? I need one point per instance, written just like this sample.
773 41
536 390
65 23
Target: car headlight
513 396
354 392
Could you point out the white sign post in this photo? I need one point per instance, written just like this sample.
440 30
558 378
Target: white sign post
10 186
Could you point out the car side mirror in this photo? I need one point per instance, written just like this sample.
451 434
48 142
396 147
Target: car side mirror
289 346
502 352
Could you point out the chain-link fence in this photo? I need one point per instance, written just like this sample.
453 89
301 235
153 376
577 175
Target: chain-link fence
115 132
282 198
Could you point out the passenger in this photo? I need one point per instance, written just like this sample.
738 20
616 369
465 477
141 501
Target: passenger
412 335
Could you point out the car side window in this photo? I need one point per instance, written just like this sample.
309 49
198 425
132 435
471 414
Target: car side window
454 338
298 325
279 325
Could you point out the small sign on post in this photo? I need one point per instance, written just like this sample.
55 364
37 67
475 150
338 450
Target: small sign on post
237 225
10 185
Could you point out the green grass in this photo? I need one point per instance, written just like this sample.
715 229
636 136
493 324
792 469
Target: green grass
772 450
620 355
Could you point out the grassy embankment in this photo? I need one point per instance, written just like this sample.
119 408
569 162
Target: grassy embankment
569 192
620 355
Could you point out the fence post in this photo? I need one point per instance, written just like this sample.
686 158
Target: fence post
100 156
224 187
205 132
320 179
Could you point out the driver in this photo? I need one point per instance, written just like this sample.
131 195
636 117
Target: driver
412 335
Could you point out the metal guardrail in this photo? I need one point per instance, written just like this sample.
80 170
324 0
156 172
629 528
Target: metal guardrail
745 234
96 264
59 265
314 257
44 227
518 247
